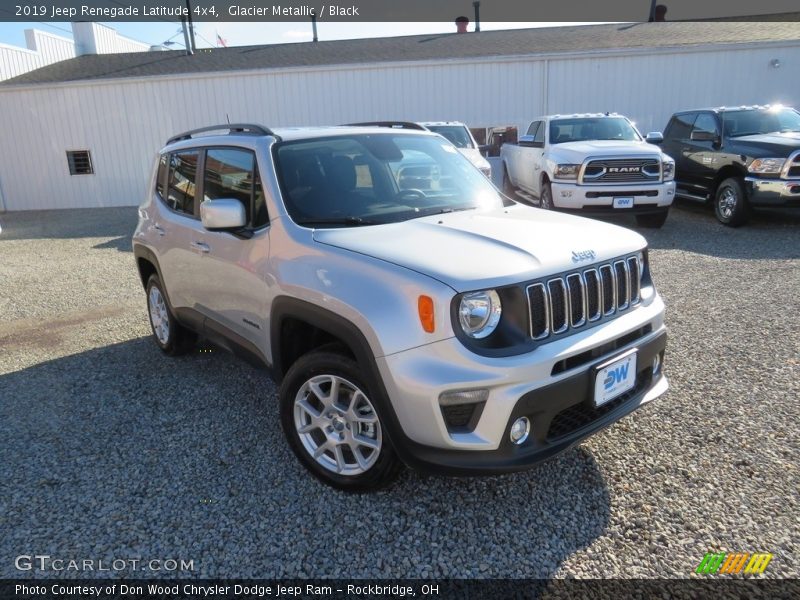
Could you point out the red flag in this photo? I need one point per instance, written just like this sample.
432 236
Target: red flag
221 42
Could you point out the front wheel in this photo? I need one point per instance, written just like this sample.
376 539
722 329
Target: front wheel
730 203
508 188
546 196
333 425
653 220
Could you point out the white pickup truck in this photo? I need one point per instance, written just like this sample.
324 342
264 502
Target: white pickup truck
594 163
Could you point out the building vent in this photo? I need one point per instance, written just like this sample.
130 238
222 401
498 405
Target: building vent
80 162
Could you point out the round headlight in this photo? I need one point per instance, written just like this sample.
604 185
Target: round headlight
479 313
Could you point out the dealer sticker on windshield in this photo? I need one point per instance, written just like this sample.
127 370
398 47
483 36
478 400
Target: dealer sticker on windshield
615 377
624 202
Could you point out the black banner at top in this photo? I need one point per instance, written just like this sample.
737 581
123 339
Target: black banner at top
396 10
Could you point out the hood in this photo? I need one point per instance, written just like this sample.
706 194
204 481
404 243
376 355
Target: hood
763 144
472 250
576 152
475 157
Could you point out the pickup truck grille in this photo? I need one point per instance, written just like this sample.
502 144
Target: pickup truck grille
577 298
793 166
628 170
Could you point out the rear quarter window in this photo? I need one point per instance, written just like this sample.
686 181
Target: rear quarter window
161 176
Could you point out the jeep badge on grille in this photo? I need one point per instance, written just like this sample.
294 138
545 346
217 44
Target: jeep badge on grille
582 255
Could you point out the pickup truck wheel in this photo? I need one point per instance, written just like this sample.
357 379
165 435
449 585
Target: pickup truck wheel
730 203
546 197
171 336
333 427
508 187
652 221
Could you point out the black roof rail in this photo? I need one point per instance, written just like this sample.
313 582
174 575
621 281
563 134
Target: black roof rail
390 124
232 128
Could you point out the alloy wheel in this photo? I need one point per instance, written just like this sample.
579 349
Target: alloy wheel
727 202
159 316
337 425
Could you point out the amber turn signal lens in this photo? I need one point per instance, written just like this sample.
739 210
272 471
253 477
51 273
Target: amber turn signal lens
425 307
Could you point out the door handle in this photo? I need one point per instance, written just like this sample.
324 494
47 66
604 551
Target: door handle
159 230
202 247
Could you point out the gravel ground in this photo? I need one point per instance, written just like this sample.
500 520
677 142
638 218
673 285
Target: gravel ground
112 451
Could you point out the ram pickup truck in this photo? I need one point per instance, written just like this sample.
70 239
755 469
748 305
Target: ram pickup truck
593 163
408 321
739 158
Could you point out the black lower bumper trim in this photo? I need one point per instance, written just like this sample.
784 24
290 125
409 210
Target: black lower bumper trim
562 415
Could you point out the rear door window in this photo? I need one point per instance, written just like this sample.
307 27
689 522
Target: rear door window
706 123
680 127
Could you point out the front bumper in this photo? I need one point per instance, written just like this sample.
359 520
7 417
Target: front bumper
531 384
600 198
772 192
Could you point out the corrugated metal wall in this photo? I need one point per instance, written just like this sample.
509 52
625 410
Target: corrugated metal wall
124 123
650 87
96 38
43 49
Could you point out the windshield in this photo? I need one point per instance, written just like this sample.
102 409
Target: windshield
377 178
750 122
455 134
592 128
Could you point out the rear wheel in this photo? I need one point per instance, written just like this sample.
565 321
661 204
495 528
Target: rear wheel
730 203
653 220
170 335
332 424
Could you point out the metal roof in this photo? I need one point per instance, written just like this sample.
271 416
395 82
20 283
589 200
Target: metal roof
431 47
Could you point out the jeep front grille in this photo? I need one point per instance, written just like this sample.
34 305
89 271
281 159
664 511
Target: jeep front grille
572 300
630 170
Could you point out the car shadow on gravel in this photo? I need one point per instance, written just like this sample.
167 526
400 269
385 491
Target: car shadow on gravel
121 452
69 223
770 234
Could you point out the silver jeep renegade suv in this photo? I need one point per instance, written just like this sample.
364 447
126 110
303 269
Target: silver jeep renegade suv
411 314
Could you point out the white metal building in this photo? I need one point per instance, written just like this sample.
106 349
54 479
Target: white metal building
44 49
121 108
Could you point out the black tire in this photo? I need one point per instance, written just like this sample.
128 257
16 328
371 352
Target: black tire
384 466
508 187
546 196
653 220
178 340
730 203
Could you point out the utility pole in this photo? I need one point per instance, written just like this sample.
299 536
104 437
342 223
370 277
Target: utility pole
191 25
314 26
477 5
652 11
186 43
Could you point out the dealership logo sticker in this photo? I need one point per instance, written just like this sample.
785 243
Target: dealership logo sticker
717 563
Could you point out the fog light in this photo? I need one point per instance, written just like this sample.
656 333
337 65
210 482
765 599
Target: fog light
657 364
520 430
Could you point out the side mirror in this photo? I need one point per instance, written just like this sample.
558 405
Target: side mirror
528 141
704 136
222 214
654 137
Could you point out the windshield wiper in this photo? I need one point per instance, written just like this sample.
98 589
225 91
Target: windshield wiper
352 221
446 209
